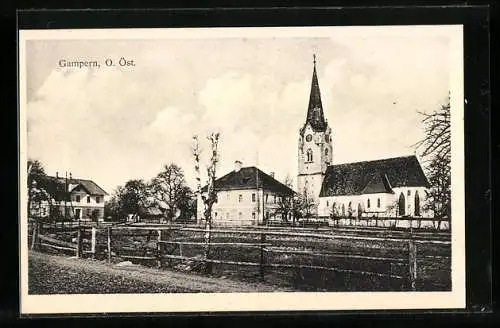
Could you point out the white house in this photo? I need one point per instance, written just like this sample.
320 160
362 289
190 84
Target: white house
245 196
76 199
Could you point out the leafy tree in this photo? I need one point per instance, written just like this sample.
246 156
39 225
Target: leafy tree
285 202
306 204
36 193
436 147
132 199
169 191
335 213
187 204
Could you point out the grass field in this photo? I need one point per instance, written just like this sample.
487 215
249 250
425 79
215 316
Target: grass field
357 261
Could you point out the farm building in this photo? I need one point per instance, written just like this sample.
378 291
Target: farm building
246 196
387 187
75 199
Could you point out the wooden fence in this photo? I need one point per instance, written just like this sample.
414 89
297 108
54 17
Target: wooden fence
85 243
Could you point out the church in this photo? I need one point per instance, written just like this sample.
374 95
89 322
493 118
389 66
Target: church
392 187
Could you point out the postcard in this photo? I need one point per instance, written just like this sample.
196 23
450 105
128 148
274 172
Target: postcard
241 169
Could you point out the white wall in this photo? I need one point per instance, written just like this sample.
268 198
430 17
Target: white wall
230 209
388 203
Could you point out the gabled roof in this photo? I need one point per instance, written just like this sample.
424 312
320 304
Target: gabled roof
55 186
378 176
250 178
315 116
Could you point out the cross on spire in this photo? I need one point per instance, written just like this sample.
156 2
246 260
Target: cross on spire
314 59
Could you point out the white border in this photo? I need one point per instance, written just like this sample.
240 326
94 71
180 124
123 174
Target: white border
210 302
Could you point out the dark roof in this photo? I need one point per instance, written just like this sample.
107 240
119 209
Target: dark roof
55 186
378 176
246 178
315 116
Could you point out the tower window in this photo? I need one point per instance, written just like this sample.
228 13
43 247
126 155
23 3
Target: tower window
378 202
309 155
368 203
253 197
326 152
240 198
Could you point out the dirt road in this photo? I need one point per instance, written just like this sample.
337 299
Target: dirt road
50 274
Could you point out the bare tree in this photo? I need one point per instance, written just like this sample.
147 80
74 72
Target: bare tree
208 195
437 153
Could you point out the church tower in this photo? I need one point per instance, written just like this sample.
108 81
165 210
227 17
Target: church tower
315 144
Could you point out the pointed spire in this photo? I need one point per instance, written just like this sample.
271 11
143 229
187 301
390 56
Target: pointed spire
315 114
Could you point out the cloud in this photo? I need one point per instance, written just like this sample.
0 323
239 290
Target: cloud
112 125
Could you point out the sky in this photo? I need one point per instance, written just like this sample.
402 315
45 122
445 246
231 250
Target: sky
113 124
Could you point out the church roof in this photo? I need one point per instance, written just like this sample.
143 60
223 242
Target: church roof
315 116
249 178
378 176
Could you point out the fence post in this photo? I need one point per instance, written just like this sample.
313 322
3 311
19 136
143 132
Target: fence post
412 259
262 258
109 244
158 250
79 242
94 231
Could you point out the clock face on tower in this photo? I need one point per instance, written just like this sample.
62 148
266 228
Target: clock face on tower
308 138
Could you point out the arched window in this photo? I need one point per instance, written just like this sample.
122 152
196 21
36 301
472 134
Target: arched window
417 204
326 152
368 203
401 204
349 209
360 210
343 209
309 155
378 202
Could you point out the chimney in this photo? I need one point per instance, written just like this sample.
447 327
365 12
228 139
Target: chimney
237 165
57 175
271 174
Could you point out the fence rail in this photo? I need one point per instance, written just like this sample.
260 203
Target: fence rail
407 260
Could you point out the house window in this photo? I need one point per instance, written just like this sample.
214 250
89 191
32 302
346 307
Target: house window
77 198
97 199
88 199
309 155
378 202
274 199
89 212
215 214
253 216
368 203
44 211
409 192
267 198
253 198
240 198
327 203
